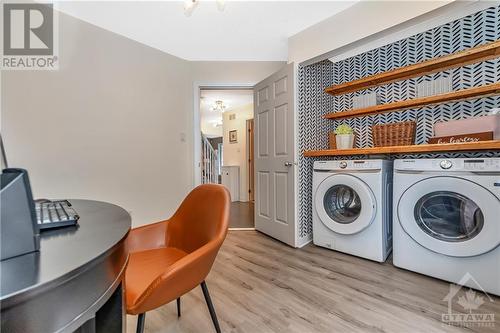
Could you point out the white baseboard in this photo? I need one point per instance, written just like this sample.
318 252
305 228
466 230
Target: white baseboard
304 241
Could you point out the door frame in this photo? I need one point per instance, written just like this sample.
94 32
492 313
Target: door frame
196 135
196 145
250 159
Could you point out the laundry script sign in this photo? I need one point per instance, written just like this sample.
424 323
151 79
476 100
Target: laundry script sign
473 137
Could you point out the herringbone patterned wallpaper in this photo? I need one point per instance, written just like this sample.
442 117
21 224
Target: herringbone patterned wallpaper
467 32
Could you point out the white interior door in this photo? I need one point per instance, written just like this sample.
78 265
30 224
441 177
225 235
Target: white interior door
274 117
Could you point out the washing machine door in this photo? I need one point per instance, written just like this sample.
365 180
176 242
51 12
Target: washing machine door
451 216
345 204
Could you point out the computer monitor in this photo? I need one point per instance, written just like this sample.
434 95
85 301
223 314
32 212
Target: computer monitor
4 156
19 231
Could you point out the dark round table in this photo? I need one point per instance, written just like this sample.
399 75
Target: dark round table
74 281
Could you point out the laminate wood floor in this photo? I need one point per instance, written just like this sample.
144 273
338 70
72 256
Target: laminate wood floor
261 285
242 215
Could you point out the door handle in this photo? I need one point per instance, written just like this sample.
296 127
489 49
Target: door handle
289 164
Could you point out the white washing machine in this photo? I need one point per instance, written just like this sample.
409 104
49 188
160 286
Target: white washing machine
352 207
447 219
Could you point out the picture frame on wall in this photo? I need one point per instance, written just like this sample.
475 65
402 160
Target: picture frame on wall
233 136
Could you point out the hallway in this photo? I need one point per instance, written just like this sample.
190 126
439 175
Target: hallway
242 215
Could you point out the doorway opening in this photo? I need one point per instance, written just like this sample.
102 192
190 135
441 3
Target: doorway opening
226 126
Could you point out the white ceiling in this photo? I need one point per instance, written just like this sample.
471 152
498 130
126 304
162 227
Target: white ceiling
245 30
233 99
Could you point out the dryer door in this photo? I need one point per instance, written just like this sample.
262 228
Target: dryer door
451 216
345 204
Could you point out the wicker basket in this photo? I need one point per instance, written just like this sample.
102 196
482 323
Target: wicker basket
396 134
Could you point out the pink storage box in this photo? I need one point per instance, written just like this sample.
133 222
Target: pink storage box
469 126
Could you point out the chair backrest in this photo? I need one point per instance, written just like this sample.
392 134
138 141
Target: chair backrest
202 217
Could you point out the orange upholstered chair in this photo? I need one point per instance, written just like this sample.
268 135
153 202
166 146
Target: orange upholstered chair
169 258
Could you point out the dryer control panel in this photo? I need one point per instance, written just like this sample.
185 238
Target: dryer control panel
451 164
487 164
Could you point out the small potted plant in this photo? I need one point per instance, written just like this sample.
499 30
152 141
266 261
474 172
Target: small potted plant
344 137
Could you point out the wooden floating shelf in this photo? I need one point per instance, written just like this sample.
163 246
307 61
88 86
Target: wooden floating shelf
457 59
426 148
476 92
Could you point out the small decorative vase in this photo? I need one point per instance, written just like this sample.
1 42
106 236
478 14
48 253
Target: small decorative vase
345 141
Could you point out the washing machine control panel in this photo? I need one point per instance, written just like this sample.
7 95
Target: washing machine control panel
445 164
349 165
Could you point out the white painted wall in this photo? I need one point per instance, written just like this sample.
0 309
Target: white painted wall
106 125
363 19
420 24
233 72
210 130
236 153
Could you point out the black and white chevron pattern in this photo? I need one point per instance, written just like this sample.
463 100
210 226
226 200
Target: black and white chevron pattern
470 31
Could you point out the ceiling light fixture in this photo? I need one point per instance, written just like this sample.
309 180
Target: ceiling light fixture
218 106
190 5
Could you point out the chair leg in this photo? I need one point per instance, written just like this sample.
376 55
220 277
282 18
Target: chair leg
179 307
140 322
210 306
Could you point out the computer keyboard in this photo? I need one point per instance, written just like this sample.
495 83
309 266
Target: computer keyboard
55 214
